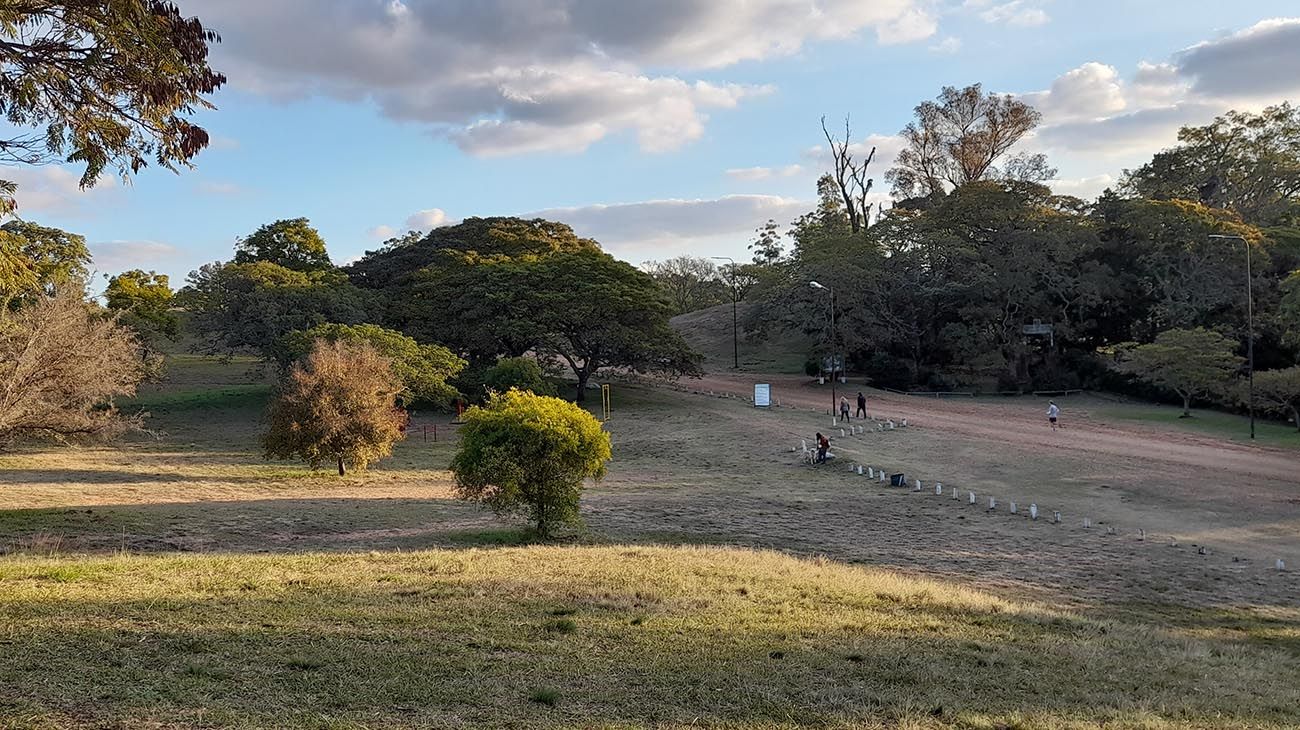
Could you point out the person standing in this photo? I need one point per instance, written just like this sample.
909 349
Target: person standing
1053 413
862 406
823 446
844 408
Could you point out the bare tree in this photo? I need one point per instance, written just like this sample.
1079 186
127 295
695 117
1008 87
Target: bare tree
691 282
61 365
850 176
960 138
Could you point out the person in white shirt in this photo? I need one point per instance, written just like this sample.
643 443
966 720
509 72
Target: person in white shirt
1053 413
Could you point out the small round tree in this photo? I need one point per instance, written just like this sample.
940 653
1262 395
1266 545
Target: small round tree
523 373
339 406
523 453
1280 392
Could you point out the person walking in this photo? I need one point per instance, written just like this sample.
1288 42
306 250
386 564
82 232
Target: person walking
844 408
862 406
1053 413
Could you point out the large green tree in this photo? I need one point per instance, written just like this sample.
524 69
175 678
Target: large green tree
249 307
36 260
291 243
1244 162
689 282
109 84
1194 363
423 369
530 454
146 301
1279 391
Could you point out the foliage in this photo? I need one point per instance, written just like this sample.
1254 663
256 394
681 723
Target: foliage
104 84
1279 390
1243 162
960 138
249 307
690 282
35 260
1289 309
337 407
1193 363
145 300
529 454
61 366
291 243
521 373
423 370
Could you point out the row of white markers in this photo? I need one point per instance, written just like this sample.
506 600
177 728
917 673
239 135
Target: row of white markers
879 474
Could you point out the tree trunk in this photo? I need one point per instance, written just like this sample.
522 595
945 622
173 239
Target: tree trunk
342 471
1187 406
583 377
1295 416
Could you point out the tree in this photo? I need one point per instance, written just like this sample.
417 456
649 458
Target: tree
529 454
38 260
521 373
340 406
961 138
1243 162
145 300
1289 309
1280 392
422 369
102 84
691 282
291 243
240 307
850 176
1193 363
61 366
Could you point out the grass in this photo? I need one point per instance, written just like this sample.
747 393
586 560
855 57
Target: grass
709 332
1205 421
438 638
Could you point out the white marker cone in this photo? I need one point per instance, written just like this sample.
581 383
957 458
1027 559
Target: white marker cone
1281 565
972 498
859 470
1013 508
993 503
1033 511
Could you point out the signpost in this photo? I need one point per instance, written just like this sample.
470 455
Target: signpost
1038 328
762 395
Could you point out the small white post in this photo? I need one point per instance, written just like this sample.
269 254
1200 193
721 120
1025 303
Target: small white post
972 498
954 493
1280 564
841 433
938 488
1200 550
904 423
834 421
882 476
1056 517
1142 535
804 442
1087 523
859 470
1013 508
1033 511
918 485
871 473
993 502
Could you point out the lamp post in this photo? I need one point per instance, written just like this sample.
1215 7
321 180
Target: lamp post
1250 331
816 285
735 332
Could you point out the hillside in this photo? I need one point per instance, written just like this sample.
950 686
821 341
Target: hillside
709 332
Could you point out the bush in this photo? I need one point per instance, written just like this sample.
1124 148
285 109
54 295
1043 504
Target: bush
812 368
529 454
522 373
340 406
886 371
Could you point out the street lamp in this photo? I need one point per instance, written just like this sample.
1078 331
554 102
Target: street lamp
816 285
1250 331
735 332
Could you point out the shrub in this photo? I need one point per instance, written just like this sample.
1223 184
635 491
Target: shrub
339 406
523 373
527 453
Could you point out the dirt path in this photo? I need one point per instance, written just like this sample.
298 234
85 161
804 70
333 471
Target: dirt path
1023 426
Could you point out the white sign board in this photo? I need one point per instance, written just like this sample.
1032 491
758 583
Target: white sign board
762 395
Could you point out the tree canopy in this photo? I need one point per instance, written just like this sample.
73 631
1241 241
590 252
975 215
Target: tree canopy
422 369
36 260
1279 392
1191 362
291 243
110 84
145 300
529 454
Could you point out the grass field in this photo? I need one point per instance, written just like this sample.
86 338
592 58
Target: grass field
179 580
1229 426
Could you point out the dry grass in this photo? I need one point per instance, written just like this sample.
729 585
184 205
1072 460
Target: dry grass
658 636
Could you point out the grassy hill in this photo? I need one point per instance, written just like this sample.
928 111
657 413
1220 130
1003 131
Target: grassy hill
585 636
709 331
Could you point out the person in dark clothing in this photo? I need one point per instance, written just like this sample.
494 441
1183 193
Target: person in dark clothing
823 446
862 405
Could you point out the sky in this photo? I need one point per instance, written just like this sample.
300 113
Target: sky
657 127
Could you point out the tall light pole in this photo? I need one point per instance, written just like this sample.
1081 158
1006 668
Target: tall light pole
735 332
1250 331
815 285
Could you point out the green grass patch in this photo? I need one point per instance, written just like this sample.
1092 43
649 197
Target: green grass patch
1204 421
229 397
438 638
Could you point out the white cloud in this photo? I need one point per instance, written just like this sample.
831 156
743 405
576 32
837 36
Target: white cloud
1016 12
427 220
1091 91
381 232
503 77
1260 61
887 147
764 173
113 257
1087 188
655 226
947 46
55 190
